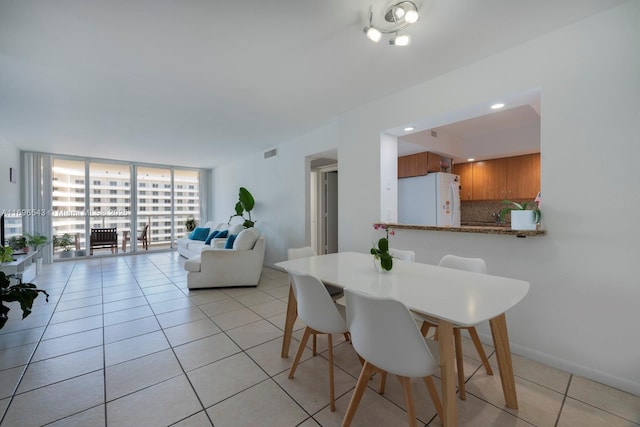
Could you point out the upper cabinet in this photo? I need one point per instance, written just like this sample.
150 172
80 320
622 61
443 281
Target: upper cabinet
523 176
498 179
465 171
422 164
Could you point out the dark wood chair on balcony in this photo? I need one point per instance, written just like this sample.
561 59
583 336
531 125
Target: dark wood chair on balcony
143 237
103 238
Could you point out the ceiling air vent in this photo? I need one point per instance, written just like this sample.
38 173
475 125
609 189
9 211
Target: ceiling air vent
271 153
434 134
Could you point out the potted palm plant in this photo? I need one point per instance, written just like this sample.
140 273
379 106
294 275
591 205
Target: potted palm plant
36 241
524 216
65 243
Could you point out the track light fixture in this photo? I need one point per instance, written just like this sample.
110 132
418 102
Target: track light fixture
397 17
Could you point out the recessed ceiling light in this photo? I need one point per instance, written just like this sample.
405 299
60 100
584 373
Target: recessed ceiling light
470 160
409 128
497 106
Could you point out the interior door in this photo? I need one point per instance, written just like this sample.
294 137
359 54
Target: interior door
330 214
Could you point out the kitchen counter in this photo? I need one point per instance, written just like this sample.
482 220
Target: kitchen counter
488 228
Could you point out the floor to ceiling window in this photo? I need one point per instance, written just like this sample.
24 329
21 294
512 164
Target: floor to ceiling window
89 194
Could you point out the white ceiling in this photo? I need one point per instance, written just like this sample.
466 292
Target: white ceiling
200 82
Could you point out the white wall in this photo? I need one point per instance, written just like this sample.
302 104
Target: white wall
9 192
581 312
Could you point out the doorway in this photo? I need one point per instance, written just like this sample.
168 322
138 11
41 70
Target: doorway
323 205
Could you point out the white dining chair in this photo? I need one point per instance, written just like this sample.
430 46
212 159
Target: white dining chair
318 311
476 265
334 291
385 335
402 254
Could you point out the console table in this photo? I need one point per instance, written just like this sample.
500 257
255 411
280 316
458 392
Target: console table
24 266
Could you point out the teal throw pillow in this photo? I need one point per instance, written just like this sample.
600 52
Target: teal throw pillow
230 240
200 233
211 237
222 234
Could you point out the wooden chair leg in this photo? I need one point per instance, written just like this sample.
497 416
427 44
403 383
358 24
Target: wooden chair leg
290 320
314 345
431 387
459 363
424 329
361 385
383 382
303 343
483 356
332 397
408 397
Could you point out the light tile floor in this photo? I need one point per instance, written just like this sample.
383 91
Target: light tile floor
122 342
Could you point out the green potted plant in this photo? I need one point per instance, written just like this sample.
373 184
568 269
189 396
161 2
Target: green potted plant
245 204
23 293
36 241
190 224
524 216
381 252
18 244
65 243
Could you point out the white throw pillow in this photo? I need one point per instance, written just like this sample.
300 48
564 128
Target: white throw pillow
246 239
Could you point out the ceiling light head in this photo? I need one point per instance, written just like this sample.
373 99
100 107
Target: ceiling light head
373 34
497 106
403 40
409 128
411 17
402 12
397 16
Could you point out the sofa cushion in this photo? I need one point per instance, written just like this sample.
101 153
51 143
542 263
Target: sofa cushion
212 236
192 264
200 233
222 234
230 240
246 239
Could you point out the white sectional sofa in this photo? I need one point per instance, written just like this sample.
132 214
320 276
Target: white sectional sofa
218 267
190 248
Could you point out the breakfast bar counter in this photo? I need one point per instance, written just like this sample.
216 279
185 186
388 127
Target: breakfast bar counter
481 229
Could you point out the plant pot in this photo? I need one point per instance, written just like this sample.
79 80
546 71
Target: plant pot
523 220
66 254
38 265
81 252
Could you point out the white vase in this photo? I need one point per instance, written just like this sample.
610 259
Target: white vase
523 220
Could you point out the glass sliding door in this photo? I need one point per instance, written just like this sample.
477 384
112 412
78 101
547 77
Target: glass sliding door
187 199
146 205
110 202
154 194
68 206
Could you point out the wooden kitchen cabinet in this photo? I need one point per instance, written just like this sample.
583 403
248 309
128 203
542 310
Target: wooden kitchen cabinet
412 165
523 177
421 164
513 178
489 179
465 171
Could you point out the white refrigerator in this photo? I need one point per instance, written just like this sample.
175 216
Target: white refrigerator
432 199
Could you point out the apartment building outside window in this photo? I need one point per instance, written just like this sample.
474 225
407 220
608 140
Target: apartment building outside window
78 207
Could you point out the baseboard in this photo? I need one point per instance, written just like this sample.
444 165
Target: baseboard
571 367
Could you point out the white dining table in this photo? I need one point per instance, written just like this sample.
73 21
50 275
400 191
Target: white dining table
454 297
